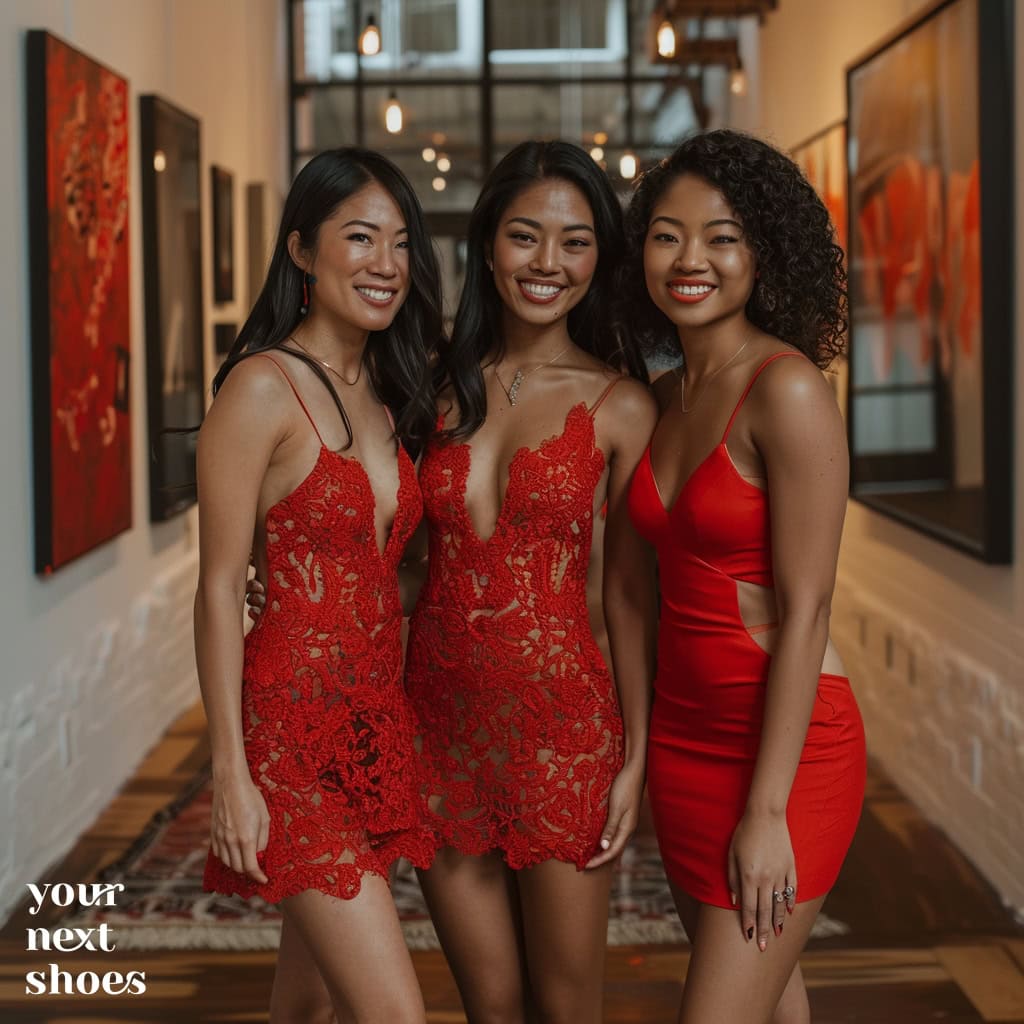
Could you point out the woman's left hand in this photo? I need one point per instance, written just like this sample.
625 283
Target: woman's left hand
761 869
623 813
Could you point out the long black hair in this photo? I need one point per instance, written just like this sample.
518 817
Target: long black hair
476 334
800 294
399 358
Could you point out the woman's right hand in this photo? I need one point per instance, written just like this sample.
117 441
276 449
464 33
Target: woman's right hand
255 598
239 825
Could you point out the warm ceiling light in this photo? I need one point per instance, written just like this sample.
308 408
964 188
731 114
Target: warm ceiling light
444 164
600 138
597 154
159 161
627 166
738 80
393 115
666 40
438 138
369 41
439 184
429 154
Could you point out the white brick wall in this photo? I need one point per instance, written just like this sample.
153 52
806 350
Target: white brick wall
71 737
947 728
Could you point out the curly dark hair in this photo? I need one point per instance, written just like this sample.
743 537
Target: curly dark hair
801 289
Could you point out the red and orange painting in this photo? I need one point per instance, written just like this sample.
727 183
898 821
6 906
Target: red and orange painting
78 201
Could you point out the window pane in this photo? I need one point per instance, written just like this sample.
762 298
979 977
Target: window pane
439 141
325 117
663 113
573 112
426 39
574 38
324 38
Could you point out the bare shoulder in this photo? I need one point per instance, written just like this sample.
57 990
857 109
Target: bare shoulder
631 398
255 396
255 379
792 384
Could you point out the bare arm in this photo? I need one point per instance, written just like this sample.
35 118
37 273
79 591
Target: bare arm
801 437
234 452
630 607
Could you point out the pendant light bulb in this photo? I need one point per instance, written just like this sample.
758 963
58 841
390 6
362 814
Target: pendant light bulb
393 115
627 166
369 41
738 80
666 40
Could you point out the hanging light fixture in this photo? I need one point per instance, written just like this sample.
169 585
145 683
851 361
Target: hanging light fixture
738 80
369 39
429 154
439 184
666 39
627 165
444 165
393 114
597 154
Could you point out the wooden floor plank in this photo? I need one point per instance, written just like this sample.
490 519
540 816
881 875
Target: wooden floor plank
990 978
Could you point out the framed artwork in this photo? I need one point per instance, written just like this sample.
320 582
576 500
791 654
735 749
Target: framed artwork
223 338
172 260
77 148
223 190
822 158
931 276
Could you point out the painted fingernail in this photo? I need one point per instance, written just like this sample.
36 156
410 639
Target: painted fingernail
781 923
605 843
762 945
750 933
732 896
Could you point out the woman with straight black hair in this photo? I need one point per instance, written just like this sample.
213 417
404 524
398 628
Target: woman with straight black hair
535 752
302 463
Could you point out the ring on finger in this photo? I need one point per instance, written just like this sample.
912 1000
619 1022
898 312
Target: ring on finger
788 893
780 896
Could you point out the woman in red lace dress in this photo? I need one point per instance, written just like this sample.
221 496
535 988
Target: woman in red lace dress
316 781
535 750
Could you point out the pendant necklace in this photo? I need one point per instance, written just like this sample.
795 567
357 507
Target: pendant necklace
512 391
326 365
700 394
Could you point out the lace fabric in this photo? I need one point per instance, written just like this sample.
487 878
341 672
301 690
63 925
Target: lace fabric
329 734
518 715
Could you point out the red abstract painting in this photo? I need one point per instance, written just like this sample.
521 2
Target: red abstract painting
78 199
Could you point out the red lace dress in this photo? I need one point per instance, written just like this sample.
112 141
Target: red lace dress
328 729
520 721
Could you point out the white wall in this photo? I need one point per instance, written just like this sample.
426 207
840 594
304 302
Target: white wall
98 658
934 639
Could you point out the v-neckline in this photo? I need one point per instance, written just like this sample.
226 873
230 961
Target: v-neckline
521 451
381 552
669 509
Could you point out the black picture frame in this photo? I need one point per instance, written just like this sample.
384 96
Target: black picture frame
223 338
172 263
222 191
931 433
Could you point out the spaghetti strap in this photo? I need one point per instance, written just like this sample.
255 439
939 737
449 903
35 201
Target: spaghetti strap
604 394
295 391
750 384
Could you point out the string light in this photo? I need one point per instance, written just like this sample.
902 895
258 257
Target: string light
666 40
430 154
444 165
159 161
627 166
738 80
597 154
439 184
600 138
393 115
369 40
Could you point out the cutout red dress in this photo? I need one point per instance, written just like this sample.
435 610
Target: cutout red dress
710 689
520 722
329 734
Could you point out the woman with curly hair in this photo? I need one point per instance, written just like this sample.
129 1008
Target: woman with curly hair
756 757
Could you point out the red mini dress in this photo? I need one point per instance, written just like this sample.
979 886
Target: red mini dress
519 717
329 734
710 689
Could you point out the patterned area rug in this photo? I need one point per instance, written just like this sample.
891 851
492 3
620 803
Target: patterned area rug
164 906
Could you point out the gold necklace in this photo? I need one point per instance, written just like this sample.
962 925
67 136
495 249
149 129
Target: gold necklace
512 391
700 394
326 365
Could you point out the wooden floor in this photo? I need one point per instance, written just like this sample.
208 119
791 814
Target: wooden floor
928 941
